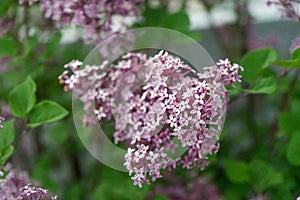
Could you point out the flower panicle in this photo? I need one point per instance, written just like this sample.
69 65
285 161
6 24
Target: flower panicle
173 102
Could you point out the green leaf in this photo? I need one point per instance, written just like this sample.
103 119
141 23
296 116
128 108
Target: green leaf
6 153
283 192
159 17
293 63
8 47
237 171
264 175
289 122
293 150
256 61
118 185
7 135
152 16
177 21
58 133
42 170
264 86
46 112
22 98
30 46
6 5
75 191
51 47
234 91
295 54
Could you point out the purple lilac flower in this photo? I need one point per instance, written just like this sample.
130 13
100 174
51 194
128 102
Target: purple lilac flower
173 101
1 121
287 8
96 17
16 185
10 186
34 193
295 44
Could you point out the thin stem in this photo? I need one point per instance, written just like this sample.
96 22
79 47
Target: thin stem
287 96
183 5
285 101
25 21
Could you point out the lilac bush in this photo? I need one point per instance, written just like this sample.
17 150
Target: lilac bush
167 115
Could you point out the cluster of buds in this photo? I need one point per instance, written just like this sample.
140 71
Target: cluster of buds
159 105
96 17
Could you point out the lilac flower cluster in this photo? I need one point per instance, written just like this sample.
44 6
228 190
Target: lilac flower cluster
96 17
158 104
1 121
16 185
10 185
287 8
34 193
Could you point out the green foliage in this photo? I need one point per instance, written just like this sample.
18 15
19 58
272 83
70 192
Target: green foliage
256 61
293 62
59 132
159 17
265 162
7 135
266 85
283 192
22 98
46 112
8 47
293 150
5 6
119 186
263 175
237 171
289 122
41 170
176 21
